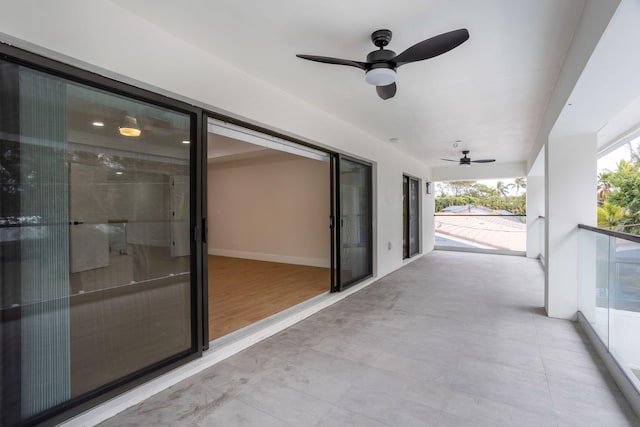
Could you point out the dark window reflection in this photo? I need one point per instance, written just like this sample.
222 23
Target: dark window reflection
355 221
94 238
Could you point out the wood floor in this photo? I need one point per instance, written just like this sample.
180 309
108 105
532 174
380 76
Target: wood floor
243 291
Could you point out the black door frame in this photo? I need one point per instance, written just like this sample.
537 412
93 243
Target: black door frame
201 210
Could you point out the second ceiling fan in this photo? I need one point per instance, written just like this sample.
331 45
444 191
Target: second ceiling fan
466 161
380 66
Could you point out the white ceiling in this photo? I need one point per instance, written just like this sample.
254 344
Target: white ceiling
490 93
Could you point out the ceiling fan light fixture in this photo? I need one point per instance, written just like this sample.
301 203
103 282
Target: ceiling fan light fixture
380 76
465 162
130 127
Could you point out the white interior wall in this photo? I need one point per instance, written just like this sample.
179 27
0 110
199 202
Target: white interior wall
272 208
189 74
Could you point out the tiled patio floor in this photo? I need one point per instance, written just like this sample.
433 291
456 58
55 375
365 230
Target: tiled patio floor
452 339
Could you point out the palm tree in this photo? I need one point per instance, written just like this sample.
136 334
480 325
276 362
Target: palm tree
604 189
503 189
520 183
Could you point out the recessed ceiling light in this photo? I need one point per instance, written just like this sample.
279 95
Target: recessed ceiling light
98 124
186 142
119 173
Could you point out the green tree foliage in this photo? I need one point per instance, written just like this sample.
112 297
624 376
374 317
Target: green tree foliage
611 216
470 193
481 190
460 187
619 191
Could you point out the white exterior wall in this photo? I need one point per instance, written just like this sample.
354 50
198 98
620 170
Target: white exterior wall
104 38
535 209
570 182
428 210
595 18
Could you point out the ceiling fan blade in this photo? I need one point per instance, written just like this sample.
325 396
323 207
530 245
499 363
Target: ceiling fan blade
484 161
432 47
386 92
450 160
337 61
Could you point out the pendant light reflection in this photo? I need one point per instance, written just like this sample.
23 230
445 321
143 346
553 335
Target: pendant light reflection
130 127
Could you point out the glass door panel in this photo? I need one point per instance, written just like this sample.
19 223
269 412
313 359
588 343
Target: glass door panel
414 217
410 216
94 240
355 222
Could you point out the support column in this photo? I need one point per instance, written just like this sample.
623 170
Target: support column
570 187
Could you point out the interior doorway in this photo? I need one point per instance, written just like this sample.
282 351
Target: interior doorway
269 240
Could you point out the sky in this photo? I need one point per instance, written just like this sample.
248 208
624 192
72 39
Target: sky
610 161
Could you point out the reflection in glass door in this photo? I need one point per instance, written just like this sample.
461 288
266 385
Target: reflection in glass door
354 235
411 216
96 258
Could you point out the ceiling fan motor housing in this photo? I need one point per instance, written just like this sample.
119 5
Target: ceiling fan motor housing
465 161
381 69
381 59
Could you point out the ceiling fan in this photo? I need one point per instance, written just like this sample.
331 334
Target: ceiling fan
466 161
380 67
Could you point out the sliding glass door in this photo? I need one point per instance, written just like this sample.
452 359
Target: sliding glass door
411 216
97 272
353 228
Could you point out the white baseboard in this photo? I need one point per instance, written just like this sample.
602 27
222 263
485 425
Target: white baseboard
259 256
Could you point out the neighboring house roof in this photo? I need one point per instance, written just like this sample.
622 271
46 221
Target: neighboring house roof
495 231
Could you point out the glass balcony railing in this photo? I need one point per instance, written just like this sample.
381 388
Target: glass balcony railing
482 232
609 293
